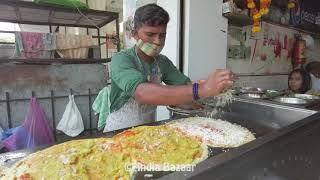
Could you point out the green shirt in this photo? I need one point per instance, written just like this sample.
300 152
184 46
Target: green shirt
127 74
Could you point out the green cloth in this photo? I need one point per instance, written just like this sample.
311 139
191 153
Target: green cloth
101 106
127 74
66 3
18 45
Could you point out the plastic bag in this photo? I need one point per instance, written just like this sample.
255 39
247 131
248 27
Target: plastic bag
71 122
35 130
1 133
7 133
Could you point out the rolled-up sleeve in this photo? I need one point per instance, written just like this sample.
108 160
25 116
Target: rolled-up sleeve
171 75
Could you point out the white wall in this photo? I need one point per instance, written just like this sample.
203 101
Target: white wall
205 44
205 38
171 49
275 82
244 66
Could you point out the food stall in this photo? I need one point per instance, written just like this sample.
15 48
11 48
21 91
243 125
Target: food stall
285 146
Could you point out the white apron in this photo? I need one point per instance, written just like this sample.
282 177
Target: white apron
132 113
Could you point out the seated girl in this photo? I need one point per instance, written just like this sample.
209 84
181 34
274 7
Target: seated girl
299 81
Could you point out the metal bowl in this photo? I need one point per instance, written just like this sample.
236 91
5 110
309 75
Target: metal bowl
306 96
252 90
252 95
288 100
274 93
235 91
269 91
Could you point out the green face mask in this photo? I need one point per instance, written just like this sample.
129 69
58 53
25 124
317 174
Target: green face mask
149 48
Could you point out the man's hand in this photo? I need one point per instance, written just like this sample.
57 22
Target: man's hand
218 81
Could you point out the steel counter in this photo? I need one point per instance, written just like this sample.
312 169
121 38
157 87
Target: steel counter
286 141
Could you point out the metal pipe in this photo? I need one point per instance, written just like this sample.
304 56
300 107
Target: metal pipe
1 31
42 98
181 36
118 33
7 43
54 61
107 46
90 118
8 110
53 115
12 32
99 40
87 3
104 37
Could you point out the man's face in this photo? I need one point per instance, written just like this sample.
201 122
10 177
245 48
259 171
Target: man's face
151 34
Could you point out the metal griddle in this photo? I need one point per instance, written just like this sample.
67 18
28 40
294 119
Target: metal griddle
264 119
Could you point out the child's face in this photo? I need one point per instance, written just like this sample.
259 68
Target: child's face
295 82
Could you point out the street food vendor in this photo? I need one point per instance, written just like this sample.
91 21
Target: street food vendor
137 75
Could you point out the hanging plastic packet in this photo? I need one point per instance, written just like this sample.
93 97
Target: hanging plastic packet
34 132
7 133
71 122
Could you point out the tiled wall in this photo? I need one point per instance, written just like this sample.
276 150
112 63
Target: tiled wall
272 81
278 82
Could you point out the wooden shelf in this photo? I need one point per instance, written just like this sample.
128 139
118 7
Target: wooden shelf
301 29
54 61
24 12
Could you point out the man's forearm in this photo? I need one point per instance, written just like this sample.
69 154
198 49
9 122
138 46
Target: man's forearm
157 94
149 93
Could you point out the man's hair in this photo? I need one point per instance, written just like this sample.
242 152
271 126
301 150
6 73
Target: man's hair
151 15
306 80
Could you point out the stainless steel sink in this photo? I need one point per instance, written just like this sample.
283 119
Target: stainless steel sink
258 116
267 114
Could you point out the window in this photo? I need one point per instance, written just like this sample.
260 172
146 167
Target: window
8 37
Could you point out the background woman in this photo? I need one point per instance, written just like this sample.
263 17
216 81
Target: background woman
299 81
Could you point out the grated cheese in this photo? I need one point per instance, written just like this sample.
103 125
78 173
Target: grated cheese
64 159
214 132
218 102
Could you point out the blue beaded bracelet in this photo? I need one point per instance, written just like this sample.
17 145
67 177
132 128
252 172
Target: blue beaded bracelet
195 91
